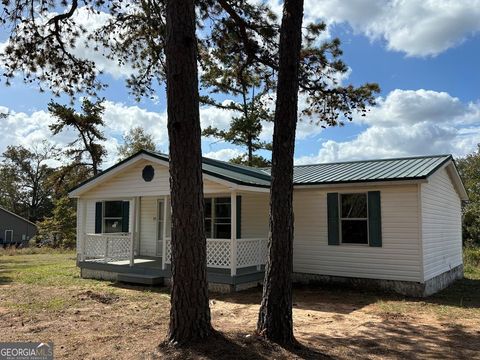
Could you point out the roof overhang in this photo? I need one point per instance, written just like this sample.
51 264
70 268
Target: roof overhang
457 181
162 160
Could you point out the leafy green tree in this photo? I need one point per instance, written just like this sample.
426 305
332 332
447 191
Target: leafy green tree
256 161
136 139
89 133
469 169
149 36
26 174
10 194
241 59
59 229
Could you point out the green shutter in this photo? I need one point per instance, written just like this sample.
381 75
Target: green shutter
98 217
374 219
125 216
239 217
333 219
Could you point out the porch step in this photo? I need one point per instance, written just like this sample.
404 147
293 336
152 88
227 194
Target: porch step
140 279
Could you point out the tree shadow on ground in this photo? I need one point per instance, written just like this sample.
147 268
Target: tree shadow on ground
464 293
5 272
237 346
402 339
160 289
318 298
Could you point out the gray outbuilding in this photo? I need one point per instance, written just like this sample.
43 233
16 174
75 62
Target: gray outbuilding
14 229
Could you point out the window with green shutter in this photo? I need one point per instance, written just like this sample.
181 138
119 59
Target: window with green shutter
354 218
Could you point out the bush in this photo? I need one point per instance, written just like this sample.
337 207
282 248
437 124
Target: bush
471 257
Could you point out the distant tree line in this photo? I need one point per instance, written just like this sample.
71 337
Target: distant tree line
469 168
35 180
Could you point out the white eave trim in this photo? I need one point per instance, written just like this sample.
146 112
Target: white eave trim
456 180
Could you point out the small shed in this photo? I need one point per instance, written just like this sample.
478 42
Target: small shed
14 229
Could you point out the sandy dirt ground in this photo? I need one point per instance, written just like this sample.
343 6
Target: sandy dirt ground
128 322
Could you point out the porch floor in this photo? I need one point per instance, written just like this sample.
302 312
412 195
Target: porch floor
152 266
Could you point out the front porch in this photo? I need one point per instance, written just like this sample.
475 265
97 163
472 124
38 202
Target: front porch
144 256
124 222
229 261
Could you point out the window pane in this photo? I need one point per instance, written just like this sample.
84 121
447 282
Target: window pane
222 231
222 221
208 207
354 232
113 226
222 208
354 205
113 208
160 229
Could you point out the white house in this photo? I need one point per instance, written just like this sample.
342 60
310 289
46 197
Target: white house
392 223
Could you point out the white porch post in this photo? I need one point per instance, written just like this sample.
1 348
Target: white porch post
164 235
233 231
133 231
81 227
138 226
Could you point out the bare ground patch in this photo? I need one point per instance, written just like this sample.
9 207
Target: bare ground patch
89 319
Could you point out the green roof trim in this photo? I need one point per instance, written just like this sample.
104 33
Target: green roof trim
361 171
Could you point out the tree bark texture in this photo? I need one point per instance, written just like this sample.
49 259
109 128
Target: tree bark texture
275 317
190 312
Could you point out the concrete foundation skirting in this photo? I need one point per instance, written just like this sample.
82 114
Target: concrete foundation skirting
222 288
408 288
443 280
98 274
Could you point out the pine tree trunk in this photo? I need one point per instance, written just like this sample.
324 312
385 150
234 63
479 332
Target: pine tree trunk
275 316
190 312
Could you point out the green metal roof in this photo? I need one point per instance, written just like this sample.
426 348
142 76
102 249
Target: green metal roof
412 168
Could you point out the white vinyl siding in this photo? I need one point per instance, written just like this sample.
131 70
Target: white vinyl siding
441 226
255 215
397 259
129 183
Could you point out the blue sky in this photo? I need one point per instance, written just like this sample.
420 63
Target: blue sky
423 54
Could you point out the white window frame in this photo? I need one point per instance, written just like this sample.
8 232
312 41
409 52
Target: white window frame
11 241
357 219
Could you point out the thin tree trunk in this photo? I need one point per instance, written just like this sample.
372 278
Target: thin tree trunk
190 312
275 316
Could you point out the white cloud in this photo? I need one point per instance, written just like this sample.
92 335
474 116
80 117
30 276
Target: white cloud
20 128
416 27
223 154
408 123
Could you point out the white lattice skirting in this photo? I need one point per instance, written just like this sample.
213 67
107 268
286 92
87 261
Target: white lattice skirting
250 252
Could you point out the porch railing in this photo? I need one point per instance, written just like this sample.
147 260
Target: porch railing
231 254
108 247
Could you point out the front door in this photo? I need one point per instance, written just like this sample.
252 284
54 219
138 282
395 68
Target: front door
8 236
160 225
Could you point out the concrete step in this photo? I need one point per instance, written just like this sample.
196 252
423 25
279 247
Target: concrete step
143 279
